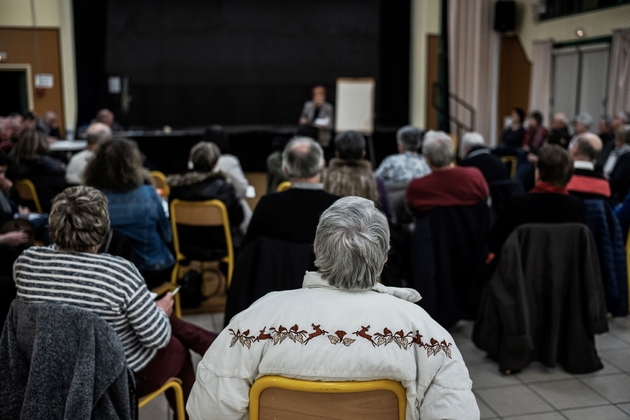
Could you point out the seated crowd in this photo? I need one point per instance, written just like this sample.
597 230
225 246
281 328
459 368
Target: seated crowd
107 239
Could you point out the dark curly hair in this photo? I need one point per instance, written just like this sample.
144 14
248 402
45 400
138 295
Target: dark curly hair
117 166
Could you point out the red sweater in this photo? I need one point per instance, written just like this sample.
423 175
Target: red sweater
460 186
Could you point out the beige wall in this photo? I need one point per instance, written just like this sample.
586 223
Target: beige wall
594 24
425 21
49 14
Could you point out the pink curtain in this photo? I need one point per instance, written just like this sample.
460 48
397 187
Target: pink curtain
540 83
471 42
619 72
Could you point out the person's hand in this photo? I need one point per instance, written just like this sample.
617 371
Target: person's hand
303 120
532 158
166 304
5 185
14 238
23 211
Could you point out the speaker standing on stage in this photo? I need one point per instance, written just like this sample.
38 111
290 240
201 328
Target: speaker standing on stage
318 114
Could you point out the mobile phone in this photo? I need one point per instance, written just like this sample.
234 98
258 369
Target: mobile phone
176 290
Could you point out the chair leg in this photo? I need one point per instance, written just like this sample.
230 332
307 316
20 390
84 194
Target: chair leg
179 402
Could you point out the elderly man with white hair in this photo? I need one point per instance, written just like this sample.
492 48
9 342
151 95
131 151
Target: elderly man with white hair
474 153
408 163
342 325
292 215
96 134
447 185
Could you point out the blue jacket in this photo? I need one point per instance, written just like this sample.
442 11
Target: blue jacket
140 216
602 221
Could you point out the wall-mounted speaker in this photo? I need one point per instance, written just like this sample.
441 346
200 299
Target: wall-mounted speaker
505 16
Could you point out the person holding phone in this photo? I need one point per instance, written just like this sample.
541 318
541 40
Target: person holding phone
156 343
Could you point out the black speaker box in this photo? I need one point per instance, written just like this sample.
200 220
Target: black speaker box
504 16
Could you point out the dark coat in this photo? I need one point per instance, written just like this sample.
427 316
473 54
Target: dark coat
206 243
448 254
535 208
545 301
620 179
267 265
492 168
290 215
63 362
601 219
48 176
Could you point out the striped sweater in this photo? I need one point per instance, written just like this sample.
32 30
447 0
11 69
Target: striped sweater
104 284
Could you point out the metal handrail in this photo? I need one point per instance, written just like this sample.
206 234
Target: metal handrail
461 126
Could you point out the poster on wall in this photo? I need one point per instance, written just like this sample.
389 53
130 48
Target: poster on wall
44 81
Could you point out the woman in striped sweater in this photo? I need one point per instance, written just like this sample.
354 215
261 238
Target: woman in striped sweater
156 344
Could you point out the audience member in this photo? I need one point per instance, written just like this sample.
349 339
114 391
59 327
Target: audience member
560 130
105 116
447 185
351 244
475 153
586 181
606 133
135 210
30 155
548 202
581 124
275 175
408 163
202 184
513 136
618 121
96 134
318 114
621 148
230 166
292 215
17 126
5 135
348 173
49 125
536 135
30 120
619 177
156 343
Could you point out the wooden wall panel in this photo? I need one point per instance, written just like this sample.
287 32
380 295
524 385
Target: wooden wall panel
21 45
514 74
433 52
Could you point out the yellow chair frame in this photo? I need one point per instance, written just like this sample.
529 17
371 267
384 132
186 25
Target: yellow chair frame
229 259
160 182
512 160
346 387
283 186
176 385
628 266
26 190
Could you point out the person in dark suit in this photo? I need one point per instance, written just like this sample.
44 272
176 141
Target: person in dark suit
474 153
548 202
317 114
293 215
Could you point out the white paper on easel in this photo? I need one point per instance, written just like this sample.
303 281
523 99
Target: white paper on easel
354 108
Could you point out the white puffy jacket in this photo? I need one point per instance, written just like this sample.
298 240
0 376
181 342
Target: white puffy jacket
323 333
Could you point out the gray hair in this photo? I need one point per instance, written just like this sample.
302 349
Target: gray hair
410 137
98 132
438 148
79 219
468 141
303 158
584 118
351 243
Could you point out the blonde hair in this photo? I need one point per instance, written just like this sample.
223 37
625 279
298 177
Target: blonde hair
79 219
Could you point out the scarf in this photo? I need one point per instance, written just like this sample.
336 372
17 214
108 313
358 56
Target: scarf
545 187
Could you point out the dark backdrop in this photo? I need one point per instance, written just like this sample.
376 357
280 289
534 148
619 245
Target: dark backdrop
201 62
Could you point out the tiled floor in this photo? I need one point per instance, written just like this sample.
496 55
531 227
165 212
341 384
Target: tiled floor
535 393
541 393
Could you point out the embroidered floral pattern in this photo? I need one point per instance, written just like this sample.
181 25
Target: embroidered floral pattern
403 340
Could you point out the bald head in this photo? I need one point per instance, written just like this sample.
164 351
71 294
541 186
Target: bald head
302 159
586 147
98 133
105 116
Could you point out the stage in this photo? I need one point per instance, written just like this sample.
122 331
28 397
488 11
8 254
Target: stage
251 144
